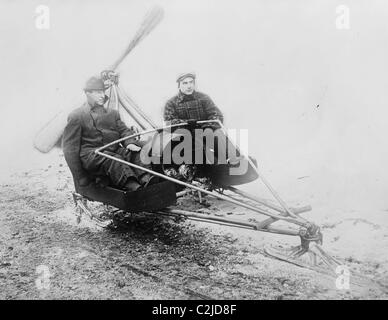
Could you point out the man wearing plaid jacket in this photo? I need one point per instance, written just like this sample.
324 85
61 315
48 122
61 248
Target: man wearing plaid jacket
189 104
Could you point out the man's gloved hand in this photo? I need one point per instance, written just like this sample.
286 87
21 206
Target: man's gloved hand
211 125
134 129
133 147
173 122
191 123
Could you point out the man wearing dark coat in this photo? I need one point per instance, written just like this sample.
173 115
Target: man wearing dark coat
92 126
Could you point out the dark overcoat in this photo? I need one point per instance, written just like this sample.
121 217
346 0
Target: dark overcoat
89 128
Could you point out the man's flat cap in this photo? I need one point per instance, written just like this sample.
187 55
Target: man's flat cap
94 83
185 75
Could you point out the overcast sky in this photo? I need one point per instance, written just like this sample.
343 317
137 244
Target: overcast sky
313 97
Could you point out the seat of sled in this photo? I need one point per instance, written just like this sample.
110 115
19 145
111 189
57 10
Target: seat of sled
224 176
153 197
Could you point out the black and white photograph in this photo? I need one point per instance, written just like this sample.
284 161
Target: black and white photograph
180 150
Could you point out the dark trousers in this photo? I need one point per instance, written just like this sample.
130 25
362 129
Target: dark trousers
119 173
222 149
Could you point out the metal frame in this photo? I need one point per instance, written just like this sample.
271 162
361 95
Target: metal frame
286 213
308 232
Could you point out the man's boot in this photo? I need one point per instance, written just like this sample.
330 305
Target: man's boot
132 185
187 172
148 179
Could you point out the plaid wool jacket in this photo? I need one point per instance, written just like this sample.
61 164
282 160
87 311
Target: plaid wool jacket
197 106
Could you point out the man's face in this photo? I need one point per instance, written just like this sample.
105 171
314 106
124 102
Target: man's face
187 85
96 97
